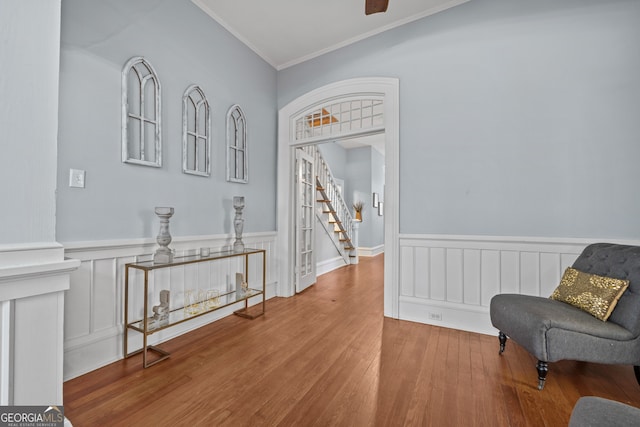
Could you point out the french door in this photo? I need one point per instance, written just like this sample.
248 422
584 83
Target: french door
305 207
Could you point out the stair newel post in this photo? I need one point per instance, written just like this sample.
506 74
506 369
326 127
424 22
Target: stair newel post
355 227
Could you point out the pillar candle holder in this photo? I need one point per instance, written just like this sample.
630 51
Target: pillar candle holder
163 254
238 223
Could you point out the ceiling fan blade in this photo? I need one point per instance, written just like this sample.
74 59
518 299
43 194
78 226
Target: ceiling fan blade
375 6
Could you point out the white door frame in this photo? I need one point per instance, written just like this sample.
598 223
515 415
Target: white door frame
387 87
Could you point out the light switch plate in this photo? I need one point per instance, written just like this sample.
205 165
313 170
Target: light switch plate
76 178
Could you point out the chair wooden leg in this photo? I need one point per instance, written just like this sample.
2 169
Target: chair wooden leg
542 368
503 340
636 369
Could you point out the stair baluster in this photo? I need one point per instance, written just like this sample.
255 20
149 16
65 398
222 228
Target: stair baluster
338 212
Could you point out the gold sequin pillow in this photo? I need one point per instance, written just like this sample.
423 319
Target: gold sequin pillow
597 295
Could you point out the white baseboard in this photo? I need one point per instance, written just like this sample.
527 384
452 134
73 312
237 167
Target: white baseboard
454 316
376 250
326 266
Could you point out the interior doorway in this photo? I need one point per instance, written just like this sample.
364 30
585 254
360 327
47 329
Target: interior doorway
380 112
357 168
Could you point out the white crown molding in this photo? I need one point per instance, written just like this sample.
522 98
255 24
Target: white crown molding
395 24
237 34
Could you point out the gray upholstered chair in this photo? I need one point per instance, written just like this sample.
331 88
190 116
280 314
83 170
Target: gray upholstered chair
592 411
552 330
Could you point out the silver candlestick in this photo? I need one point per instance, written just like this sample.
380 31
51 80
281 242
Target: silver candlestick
238 223
163 254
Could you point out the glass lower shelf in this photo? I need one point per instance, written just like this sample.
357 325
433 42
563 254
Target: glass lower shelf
182 314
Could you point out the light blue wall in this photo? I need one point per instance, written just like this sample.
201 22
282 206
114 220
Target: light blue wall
377 186
186 47
29 63
336 157
516 117
358 176
364 176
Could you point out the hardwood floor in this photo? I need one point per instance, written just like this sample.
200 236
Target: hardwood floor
328 357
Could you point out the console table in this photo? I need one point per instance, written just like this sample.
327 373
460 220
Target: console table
148 325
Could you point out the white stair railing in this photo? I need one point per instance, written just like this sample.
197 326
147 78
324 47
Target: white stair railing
334 205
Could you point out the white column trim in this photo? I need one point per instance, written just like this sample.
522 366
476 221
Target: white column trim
6 344
11 279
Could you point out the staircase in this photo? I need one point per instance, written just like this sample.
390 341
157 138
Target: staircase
333 213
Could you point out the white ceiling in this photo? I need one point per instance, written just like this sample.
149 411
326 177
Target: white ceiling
287 32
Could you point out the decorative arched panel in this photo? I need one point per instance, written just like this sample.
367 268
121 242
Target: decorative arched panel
196 132
141 114
237 146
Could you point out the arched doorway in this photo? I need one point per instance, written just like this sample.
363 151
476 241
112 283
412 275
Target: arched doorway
385 89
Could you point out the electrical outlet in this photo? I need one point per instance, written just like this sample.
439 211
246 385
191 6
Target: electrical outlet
435 316
76 178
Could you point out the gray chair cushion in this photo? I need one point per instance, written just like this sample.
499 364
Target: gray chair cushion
598 412
552 330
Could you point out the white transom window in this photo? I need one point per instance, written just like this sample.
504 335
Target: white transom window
346 117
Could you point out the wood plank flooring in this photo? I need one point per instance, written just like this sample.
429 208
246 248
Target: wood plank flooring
328 357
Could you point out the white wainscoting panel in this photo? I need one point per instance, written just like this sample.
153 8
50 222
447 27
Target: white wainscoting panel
450 280
94 313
